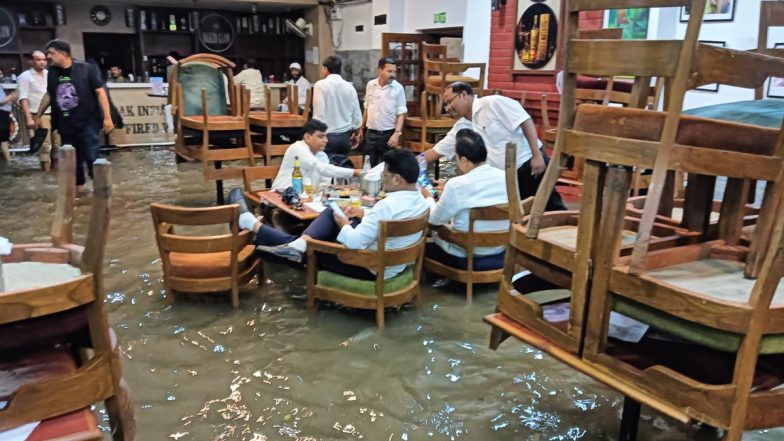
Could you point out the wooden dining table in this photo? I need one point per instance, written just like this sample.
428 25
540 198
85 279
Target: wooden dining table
273 198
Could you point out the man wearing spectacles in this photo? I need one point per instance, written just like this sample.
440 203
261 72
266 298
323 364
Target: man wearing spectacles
499 120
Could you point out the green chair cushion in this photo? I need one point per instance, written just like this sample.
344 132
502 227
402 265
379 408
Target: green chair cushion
196 76
693 332
364 287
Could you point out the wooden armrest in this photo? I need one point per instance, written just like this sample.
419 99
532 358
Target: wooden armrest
458 238
324 246
526 204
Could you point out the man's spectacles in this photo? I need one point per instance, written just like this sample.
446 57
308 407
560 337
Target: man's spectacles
448 102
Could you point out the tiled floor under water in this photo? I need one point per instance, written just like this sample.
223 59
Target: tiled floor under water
203 371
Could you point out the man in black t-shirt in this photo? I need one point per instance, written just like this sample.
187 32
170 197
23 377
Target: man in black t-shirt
80 104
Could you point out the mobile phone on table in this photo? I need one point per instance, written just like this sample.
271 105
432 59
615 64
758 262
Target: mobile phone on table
336 209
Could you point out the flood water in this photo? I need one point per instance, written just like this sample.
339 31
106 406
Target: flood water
201 370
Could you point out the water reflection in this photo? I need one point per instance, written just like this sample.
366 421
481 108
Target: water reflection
201 370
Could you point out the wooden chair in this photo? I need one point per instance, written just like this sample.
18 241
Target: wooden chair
268 173
46 381
268 120
469 241
440 71
364 294
201 264
204 116
422 132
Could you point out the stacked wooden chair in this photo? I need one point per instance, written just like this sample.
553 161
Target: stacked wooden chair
697 290
375 294
211 117
267 173
267 121
59 356
199 263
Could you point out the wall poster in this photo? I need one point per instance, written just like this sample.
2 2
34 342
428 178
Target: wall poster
634 22
536 36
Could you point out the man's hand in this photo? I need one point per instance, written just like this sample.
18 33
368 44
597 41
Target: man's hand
340 220
36 121
357 171
108 125
360 134
30 121
357 212
537 165
425 193
394 140
355 139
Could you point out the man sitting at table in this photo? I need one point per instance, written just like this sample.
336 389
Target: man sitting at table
480 185
360 231
312 159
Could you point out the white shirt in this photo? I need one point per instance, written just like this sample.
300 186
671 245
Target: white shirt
32 87
484 186
251 80
497 119
384 104
335 102
398 205
308 162
302 90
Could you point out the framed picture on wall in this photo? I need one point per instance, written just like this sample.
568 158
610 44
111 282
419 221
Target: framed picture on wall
776 84
536 36
634 22
715 10
714 87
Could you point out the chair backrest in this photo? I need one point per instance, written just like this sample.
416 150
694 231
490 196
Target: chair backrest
469 240
204 71
400 228
165 217
433 51
98 379
259 172
771 14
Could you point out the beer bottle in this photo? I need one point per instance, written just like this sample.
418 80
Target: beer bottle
296 176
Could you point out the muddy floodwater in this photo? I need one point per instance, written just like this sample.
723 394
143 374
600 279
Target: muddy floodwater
201 370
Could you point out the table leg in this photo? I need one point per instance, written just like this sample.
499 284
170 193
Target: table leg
219 185
630 419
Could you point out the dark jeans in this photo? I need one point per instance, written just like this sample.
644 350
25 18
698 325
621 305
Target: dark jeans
528 184
481 263
85 140
322 228
376 144
338 143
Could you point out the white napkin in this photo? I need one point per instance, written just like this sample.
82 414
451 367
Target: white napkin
5 246
19 433
318 207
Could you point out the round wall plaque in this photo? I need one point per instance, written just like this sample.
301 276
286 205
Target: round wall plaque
216 32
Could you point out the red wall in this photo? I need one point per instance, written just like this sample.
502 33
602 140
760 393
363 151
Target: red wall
500 69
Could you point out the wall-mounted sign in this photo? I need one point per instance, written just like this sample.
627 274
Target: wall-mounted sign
7 27
536 36
439 18
216 33
100 15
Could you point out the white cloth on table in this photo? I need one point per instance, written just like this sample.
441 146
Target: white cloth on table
397 205
497 119
335 102
483 186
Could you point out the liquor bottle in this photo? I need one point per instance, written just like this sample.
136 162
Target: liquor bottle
256 22
245 28
183 22
153 21
296 177
534 44
143 20
172 22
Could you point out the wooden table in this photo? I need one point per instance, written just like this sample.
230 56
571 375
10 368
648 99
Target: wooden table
272 197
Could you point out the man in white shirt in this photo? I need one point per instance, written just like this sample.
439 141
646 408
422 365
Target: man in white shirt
313 162
385 111
251 79
480 185
403 201
32 88
498 120
336 103
302 84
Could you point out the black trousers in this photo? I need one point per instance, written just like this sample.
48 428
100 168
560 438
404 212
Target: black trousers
322 228
85 140
528 184
376 144
338 143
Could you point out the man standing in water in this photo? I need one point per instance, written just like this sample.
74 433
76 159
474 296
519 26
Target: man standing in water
32 88
80 104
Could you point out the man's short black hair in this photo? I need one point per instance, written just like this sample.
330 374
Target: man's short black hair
60 46
403 163
386 60
333 64
460 86
471 146
313 126
252 63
